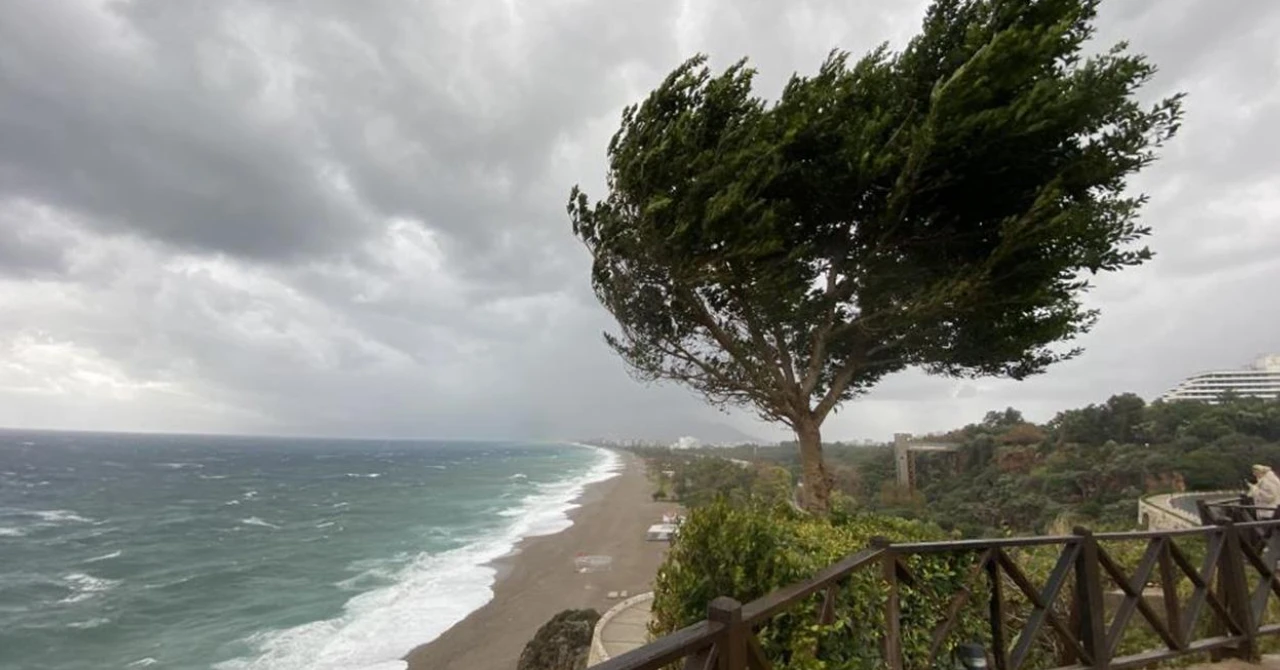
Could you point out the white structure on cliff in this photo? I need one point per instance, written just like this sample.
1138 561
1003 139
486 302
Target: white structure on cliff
1260 380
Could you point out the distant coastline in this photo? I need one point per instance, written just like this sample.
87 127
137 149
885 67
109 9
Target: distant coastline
288 553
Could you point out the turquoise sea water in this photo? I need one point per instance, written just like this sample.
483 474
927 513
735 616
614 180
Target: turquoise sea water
130 551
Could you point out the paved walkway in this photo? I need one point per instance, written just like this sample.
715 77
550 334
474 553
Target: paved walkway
625 627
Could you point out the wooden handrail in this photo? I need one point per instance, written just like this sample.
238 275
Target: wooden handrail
667 649
766 606
1090 638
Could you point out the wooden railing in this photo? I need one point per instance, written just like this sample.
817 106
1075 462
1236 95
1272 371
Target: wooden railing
1083 608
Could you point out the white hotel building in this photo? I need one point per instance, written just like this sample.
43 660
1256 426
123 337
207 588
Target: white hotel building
1261 380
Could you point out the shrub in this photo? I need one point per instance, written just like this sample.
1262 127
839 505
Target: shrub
747 551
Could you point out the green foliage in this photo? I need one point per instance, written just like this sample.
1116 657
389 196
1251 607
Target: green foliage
702 480
1090 465
747 551
1087 467
696 478
938 207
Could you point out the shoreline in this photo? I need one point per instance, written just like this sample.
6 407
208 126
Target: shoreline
538 579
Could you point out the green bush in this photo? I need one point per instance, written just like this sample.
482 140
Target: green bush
747 551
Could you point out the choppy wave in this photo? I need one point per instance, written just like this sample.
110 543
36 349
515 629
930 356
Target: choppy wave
85 586
89 623
255 521
59 516
427 597
181 466
104 557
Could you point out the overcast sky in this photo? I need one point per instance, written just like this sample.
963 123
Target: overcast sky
347 218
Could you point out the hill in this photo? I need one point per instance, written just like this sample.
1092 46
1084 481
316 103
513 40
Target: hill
1087 465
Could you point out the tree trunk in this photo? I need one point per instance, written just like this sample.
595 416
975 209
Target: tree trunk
817 485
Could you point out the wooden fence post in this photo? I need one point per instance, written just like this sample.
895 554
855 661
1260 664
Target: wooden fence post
1233 585
892 647
1088 601
1206 514
995 614
731 648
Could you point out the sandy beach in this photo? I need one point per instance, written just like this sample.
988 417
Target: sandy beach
539 579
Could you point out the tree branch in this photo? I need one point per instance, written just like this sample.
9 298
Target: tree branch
788 365
818 350
720 388
703 317
845 375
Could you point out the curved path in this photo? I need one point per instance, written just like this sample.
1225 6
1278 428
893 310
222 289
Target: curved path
623 628
1172 511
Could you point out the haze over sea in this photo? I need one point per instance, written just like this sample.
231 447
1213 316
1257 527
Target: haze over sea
129 551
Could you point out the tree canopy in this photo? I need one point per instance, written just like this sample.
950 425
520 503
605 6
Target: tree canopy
940 207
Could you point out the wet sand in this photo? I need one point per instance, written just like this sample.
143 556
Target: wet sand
540 579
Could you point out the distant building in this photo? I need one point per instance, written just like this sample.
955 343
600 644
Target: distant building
1260 380
686 443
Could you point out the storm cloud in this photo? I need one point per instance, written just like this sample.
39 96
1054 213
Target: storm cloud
348 218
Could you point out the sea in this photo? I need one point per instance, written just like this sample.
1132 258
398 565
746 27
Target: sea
238 553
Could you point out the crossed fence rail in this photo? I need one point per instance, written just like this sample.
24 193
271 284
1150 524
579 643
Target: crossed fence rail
1230 585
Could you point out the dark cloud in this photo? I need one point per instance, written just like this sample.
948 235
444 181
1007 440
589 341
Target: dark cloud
31 248
126 128
348 218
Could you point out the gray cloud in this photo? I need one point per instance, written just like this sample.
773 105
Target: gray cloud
348 218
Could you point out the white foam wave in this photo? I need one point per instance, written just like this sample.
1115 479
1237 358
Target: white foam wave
255 521
84 586
427 597
181 466
91 623
378 575
518 475
105 557
371 475
142 663
12 532
59 516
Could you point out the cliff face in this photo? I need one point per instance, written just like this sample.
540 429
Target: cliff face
561 643
1165 482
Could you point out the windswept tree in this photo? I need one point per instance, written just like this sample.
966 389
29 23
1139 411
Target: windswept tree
942 207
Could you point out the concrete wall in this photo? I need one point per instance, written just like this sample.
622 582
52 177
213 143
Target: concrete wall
1173 511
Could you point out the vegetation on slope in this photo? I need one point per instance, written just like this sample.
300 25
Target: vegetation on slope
1086 466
